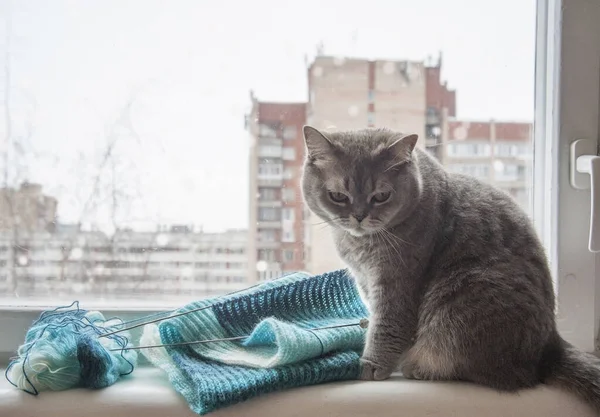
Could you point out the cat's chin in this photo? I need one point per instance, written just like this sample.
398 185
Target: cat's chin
360 232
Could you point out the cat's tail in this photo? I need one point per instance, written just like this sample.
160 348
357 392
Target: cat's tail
570 369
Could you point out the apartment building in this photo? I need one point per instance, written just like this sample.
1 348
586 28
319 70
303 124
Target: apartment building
499 153
158 265
350 93
276 224
26 208
405 96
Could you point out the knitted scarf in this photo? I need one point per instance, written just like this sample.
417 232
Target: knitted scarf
283 351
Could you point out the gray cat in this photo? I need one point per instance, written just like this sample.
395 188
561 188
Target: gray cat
456 281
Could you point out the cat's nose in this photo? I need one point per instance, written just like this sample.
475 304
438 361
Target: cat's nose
360 217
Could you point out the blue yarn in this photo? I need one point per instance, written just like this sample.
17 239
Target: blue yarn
62 350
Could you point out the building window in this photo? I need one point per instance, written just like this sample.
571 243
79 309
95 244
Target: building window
288 195
288 236
269 151
481 171
433 131
270 169
288 255
289 153
267 131
290 133
371 119
288 214
266 255
267 236
269 214
510 150
509 172
469 150
267 194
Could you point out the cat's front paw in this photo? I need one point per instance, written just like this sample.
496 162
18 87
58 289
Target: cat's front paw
370 371
411 371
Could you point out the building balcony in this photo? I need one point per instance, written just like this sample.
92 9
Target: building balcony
268 150
432 141
269 224
270 141
268 245
270 182
274 203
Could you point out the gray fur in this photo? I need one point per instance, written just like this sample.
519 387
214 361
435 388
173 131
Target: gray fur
456 280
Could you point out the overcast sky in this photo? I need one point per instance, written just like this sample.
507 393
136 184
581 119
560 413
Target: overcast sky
189 65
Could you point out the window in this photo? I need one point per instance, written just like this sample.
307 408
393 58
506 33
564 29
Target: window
506 172
567 108
267 236
289 154
432 111
134 172
267 131
267 194
266 255
481 171
370 119
432 131
510 150
288 255
288 214
269 151
469 150
267 169
269 214
290 133
288 236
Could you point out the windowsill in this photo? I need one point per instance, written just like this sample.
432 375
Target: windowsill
147 393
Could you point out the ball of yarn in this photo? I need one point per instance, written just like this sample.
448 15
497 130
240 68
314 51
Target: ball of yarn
62 350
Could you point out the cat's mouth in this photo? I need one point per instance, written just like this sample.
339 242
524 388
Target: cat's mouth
350 225
360 229
358 232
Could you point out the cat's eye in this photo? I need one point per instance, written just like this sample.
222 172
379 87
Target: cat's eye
338 198
380 198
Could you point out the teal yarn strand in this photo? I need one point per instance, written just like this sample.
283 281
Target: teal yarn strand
62 351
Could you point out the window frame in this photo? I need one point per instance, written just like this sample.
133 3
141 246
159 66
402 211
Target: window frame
567 97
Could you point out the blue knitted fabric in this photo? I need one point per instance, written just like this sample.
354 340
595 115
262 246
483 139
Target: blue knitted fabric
282 350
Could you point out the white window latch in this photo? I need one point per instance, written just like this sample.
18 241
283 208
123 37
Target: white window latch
585 174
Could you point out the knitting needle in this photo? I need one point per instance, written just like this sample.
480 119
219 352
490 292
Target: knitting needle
178 314
154 321
363 323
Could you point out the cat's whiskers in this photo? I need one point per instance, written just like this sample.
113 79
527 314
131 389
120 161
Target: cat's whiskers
345 236
398 238
386 236
331 221
379 234
391 238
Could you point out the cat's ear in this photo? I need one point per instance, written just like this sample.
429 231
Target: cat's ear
403 146
318 145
